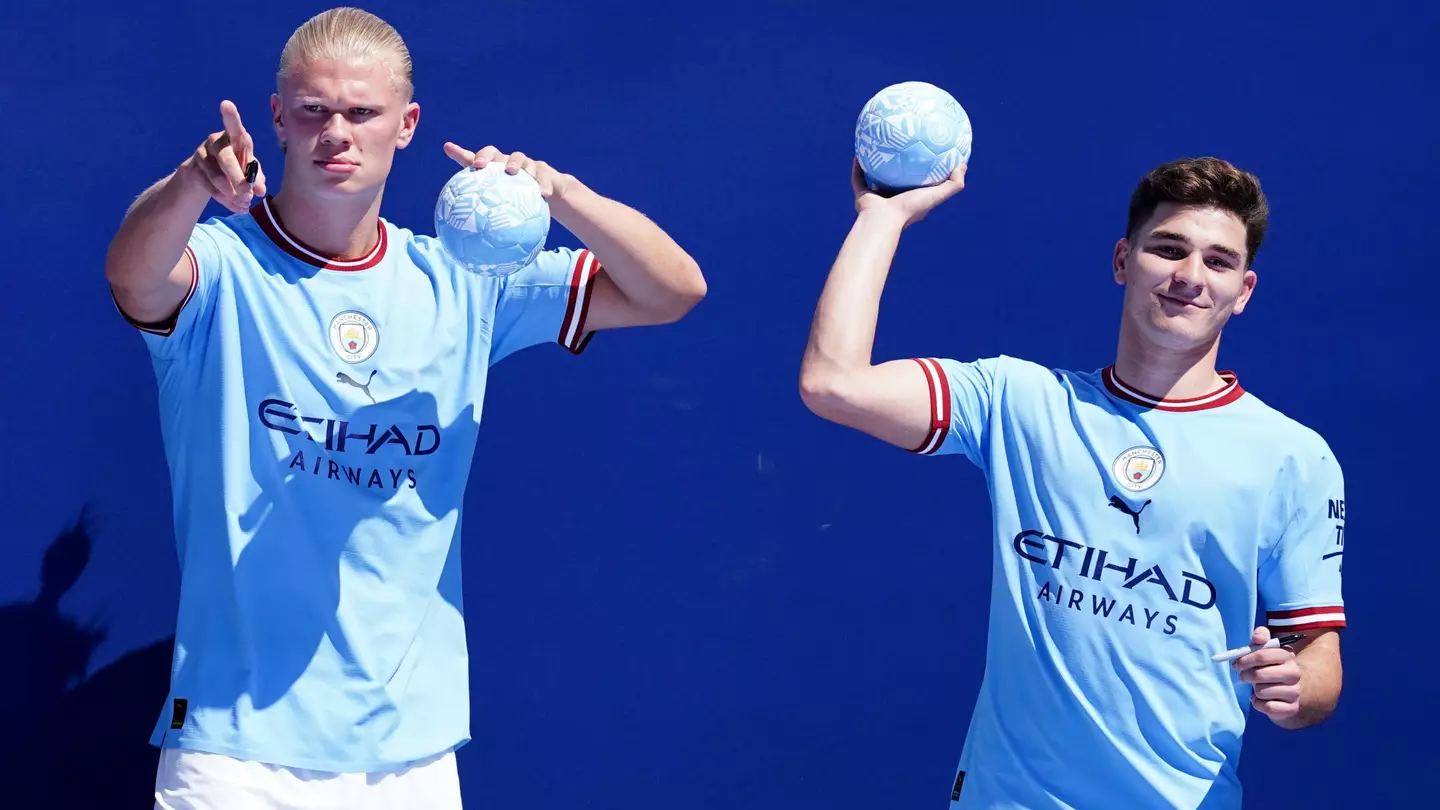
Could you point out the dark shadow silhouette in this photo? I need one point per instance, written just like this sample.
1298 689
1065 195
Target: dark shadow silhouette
52 651
69 741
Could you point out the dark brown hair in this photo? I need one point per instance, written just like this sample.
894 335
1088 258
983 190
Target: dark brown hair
1208 183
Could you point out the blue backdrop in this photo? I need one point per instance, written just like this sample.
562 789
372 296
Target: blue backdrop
682 589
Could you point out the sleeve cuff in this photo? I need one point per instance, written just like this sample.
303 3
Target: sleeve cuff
166 327
572 329
1312 618
939 406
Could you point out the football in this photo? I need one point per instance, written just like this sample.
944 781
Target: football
910 135
492 222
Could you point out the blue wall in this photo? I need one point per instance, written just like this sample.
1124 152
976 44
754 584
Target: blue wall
682 588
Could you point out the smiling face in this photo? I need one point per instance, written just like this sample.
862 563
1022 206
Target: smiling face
1185 272
340 122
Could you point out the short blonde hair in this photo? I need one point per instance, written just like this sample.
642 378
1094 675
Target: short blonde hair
349 33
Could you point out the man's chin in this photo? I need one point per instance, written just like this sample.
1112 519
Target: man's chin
1178 333
338 187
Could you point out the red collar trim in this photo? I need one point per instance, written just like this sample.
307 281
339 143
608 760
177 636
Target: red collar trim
1227 394
273 228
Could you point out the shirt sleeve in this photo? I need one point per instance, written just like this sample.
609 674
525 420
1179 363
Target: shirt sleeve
546 301
1300 580
960 398
177 335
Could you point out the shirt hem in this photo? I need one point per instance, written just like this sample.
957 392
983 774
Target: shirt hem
305 763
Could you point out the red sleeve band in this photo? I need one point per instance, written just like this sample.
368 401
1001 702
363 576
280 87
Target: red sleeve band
939 406
1313 618
572 329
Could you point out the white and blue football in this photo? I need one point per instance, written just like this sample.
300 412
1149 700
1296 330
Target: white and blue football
910 135
492 222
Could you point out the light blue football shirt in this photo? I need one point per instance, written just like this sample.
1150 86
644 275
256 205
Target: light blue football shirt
319 417
1134 538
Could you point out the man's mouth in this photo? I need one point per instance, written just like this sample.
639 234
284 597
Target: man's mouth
1176 303
338 165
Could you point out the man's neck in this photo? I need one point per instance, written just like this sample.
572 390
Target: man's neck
341 228
1163 372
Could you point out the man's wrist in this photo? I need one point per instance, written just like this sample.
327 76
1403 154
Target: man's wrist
881 218
570 201
190 182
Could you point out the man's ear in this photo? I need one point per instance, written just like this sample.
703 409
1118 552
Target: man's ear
1117 261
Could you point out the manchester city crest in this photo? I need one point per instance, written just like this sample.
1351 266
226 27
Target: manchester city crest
1138 468
353 336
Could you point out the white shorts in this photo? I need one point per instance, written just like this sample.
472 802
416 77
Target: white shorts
195 780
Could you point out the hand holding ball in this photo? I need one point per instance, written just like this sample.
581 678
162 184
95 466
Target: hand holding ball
490 221
911 135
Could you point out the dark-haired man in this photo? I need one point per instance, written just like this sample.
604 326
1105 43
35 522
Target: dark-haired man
1140 510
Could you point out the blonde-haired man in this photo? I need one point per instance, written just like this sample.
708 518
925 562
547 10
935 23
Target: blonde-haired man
321 375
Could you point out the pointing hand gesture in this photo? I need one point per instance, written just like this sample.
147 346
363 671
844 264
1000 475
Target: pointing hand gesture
226 163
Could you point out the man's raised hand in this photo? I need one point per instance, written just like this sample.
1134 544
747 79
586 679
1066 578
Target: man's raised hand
221 161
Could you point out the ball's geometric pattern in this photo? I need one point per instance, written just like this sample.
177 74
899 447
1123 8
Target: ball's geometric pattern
492 222
911 134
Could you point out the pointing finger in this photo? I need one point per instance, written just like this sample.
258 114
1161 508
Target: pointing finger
239 138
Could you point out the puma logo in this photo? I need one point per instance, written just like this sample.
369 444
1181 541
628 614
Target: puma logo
1116 503
345 378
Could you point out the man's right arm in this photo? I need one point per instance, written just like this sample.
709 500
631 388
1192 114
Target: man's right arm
903 402
149 273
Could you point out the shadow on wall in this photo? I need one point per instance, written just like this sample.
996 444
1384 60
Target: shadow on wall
65 740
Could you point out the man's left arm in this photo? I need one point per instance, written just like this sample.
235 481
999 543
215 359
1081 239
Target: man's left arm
648 278
1300 584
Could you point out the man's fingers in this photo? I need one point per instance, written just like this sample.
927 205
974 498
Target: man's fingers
234 173
1287 673
230 114
222 193
1263 658
1276 709
1283 692
951 185
459 154
857 178
488 154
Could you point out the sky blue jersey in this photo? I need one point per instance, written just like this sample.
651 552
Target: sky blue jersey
1133 538
319 417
